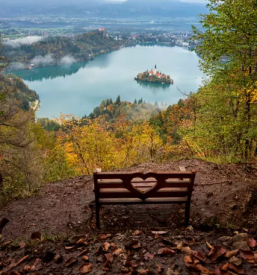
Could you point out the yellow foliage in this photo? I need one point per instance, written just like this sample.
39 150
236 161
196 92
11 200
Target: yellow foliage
94 144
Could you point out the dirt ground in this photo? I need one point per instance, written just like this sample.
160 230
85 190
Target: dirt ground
223 202
222 195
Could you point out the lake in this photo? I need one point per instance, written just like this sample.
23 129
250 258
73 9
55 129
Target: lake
78 88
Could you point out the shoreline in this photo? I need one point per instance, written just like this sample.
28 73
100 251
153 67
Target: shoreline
156 82
93 58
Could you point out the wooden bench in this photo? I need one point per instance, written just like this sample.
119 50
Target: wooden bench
140 188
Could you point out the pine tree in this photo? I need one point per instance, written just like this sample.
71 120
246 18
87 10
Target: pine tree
118 100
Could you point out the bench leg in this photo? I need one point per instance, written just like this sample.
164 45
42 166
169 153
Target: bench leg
97 212
187 212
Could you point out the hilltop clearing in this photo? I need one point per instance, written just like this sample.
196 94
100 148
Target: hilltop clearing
63 211
222 197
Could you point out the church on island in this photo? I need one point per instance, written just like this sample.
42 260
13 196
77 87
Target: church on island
154 76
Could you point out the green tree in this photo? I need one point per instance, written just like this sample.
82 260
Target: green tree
226 122
118 100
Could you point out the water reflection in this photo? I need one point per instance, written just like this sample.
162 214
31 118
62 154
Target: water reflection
40 74
52 72
153 86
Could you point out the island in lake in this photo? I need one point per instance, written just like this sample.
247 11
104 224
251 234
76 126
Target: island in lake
154 76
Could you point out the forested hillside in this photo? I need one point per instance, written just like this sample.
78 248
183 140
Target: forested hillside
60 50
21 92
137 111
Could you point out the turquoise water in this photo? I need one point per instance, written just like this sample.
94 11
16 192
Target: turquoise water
78 88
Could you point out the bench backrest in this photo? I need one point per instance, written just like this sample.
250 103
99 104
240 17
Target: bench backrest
143 186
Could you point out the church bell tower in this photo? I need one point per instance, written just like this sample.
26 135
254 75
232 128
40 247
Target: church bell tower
155 70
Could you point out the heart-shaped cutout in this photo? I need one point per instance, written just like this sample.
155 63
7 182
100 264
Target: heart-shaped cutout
143 186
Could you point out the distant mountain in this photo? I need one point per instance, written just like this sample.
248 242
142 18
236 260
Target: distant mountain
153 8
101 8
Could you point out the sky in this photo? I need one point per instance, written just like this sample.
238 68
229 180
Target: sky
189 1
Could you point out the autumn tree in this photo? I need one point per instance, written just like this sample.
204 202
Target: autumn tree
226 122
20 162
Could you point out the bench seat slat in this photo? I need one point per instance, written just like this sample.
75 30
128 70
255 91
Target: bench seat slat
139 201
124 193
130 195
172 175
124 190
138 185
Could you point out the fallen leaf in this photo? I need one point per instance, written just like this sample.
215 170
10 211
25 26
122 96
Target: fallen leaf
37 265
179 245
209 245
219 271
232 253
69 247
27 268
117 251
6 243
186 250
252 243
203 269
82 242
136 246
137 232
134 264
22 244
238 270
148 256
188 259
105 237
106 246
200 256
189 241
235 261
70 262
82 252
225 267
85 268
142 271
159 232
165 251
85 258
108 257
249 256
216 252
58 259
159 268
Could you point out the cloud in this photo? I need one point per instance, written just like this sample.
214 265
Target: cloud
23 41
67 60
43 60
16 66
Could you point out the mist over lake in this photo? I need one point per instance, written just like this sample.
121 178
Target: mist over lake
78 88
